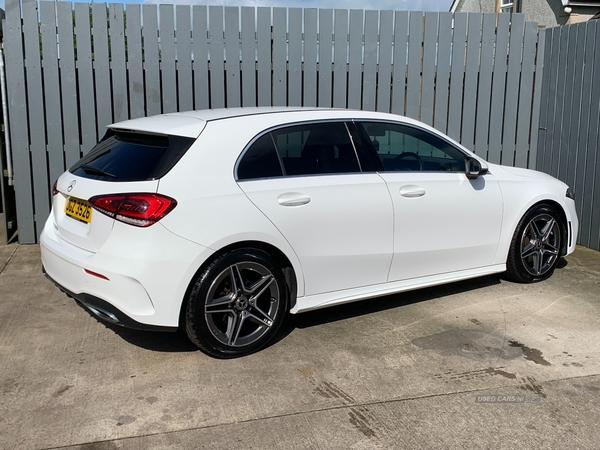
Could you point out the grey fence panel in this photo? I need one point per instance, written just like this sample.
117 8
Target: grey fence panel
436 67
370 60
563 71
400 64
200 65
248 57
547 102
168 77
525 94
559 157
151 61
585 161
232 56
571 155
384 75
355 59
101 68
37 134
570 128
471 75
263 31
85 78
294 57
486 67
310 58
118 66
457 73
430 42
19 130
537 91
135 69
325 58
183 32
517 28
340 66
590 210
415 56
56 158
217 64
498 90
68 84
279 56
440 115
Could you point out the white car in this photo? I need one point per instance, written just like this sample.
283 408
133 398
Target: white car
222 221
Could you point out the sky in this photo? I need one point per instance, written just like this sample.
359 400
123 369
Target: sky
415 5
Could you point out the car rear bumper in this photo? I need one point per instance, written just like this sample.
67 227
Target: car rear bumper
106 312
138 278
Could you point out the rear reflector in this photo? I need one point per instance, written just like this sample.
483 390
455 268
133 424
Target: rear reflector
96 274
140 210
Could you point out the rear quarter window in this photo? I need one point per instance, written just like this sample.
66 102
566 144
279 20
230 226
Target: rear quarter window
124 156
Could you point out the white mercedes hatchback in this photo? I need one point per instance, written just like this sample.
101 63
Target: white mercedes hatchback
222 221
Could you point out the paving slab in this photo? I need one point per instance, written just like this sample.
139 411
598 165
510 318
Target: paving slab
414 370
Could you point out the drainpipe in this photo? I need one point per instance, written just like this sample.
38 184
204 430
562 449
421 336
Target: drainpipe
9 168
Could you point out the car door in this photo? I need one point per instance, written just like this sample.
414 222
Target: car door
444 221
307 180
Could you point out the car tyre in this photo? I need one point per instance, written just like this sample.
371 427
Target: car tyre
536 245
236 304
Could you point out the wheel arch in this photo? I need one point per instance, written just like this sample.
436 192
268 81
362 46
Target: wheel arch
514 214
284 262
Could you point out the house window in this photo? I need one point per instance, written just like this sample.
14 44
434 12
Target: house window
506 5
510 6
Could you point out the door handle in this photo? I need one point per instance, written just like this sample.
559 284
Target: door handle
412 191
293 199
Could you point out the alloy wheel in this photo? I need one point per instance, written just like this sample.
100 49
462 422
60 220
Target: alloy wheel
540 244
241 304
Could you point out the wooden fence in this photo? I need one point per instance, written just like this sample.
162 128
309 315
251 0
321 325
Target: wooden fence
73 69
570 119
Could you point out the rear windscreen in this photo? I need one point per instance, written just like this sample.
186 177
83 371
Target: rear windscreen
122 156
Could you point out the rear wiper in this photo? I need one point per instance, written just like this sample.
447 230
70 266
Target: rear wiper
96 171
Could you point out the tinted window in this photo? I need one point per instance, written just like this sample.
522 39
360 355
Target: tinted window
132 157
260 160
402 148
319 148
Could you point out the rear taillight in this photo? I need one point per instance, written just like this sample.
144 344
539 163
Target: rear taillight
140 210
54 188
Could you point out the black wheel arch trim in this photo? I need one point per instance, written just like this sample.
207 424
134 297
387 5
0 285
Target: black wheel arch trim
274 252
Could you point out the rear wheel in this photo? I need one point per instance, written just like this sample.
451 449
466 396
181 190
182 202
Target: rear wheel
536 244
237 304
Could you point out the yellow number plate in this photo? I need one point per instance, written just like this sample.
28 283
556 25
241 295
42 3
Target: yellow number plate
78 209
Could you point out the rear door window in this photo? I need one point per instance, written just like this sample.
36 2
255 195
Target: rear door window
260 160
311 149
124 156
317 148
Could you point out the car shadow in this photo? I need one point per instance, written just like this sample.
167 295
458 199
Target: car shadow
178 341
157 341
378 304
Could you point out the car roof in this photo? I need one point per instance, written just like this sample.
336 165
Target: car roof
191 123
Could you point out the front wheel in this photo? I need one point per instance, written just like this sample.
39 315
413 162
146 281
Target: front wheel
237 304
536 245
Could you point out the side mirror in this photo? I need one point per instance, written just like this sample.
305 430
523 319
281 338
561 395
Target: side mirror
474 168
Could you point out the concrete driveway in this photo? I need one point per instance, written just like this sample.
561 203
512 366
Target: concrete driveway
485 363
